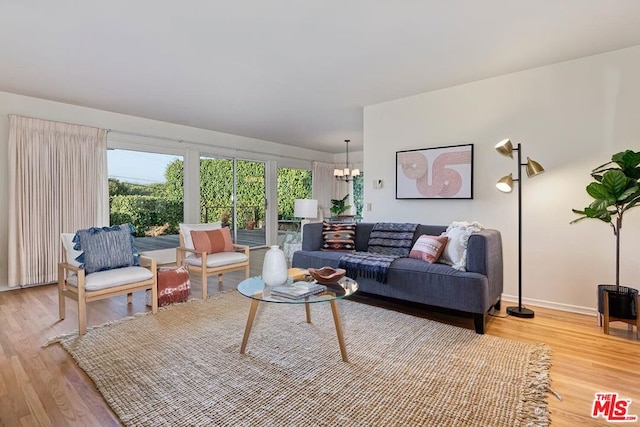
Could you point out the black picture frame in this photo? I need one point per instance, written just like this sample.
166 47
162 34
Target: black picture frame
435 173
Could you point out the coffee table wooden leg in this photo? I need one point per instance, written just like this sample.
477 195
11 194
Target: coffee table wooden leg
307 310
336 321
247 329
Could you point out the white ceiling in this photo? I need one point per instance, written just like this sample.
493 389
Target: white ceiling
296 72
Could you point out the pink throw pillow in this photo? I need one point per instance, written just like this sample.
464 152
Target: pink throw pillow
428 248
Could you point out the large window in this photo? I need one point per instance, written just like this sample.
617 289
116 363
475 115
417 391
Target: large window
292 184
146 190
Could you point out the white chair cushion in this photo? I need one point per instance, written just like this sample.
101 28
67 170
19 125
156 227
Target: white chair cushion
218 259
111 278
185 229
71 254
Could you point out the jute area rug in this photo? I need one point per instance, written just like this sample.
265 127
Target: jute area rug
182 367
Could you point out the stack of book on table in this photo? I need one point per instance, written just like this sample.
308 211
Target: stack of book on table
297 290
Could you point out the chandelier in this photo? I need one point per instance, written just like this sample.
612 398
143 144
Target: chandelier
346 174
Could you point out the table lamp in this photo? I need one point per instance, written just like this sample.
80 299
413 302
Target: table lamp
306 209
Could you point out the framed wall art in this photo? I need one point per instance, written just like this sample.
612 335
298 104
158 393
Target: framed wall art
435 173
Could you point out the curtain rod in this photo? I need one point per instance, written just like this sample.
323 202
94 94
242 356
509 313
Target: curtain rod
181 141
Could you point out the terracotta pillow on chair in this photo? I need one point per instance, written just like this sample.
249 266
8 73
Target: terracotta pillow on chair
212 241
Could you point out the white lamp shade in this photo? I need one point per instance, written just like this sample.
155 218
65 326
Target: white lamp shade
305 208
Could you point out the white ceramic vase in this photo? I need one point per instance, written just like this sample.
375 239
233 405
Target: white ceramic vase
274 267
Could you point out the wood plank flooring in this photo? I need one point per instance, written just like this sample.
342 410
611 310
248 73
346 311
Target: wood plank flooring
44 387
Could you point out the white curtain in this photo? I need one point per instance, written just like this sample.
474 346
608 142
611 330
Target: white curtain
326 187
57 183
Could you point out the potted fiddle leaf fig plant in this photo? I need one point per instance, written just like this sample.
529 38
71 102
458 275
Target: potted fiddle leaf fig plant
615 190
339 206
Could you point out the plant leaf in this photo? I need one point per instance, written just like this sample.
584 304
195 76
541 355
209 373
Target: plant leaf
601 168
614 183
597 191
628 162
598 213
578 219
626 159
631 204
628 194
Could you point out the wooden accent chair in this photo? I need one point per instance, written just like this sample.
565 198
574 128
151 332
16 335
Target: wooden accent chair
208 264
76 284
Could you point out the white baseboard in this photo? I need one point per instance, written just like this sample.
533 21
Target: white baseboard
589 311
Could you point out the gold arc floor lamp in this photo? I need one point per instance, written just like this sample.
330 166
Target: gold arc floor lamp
505 184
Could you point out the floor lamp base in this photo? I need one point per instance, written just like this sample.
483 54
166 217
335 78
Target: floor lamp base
520 312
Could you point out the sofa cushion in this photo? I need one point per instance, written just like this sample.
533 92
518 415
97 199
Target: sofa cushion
338 237
428 248
316 259
106 248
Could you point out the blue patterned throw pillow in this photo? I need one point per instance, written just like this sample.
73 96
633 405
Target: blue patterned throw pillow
106 248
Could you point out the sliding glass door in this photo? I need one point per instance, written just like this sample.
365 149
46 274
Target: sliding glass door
251 206
233 191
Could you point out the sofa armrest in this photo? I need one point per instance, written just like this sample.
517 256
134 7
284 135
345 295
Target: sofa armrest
312 236
484 256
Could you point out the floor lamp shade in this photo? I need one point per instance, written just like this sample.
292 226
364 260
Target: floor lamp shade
305 208
506 185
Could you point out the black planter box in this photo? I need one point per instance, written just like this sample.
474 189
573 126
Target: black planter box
622 303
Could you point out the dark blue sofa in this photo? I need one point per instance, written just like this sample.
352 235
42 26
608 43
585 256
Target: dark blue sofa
473 291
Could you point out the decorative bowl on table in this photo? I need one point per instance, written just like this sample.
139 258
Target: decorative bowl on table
327 275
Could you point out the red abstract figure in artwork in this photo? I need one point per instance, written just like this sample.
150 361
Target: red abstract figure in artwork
445 182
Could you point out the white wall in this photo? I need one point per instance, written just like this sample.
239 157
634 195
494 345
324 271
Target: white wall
570 117
197 140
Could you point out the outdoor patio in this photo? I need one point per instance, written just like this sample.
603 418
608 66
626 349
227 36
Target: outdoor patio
253 238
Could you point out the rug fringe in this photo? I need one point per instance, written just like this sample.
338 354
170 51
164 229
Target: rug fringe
555 393
535 397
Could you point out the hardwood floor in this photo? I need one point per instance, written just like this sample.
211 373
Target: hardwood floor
44 386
